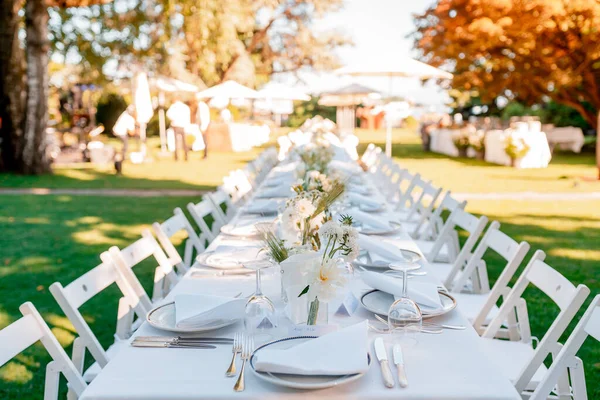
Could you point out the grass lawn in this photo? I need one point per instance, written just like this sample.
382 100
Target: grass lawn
57 238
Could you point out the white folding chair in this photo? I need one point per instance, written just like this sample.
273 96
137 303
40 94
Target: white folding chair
202 211
406 195
423 205
480 305
77 293
23 333
517 359
221 199
428 228
457 219
164 274
566 365
193 243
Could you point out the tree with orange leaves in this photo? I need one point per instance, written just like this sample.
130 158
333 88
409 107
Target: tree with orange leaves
526 50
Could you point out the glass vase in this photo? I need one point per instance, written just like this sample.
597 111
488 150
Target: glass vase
297 307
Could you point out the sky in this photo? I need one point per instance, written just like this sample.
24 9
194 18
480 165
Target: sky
378 29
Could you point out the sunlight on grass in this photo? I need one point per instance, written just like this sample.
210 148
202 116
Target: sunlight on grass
106 233
15 373
588 255
60 322
37 220
80 175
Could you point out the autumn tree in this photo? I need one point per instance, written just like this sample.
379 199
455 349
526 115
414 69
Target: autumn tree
526 50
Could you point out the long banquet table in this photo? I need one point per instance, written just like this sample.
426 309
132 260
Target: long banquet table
450 365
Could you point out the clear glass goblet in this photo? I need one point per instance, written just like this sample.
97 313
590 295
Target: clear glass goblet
260 315
404 315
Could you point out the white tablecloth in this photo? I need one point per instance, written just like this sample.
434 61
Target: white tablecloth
450 365
538 155
441 142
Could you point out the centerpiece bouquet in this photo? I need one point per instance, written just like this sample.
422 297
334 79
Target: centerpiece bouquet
312 249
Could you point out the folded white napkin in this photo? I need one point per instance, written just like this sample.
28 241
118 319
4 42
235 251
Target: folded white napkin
422 293
277 191
262 206
368 220
379 249
360 189
337 353
370 202
279 179
349 167
196 311
232 256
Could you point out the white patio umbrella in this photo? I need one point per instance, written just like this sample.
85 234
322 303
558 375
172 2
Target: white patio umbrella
406 67
143 106
228 90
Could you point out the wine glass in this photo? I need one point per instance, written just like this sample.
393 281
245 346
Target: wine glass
260 316
404 315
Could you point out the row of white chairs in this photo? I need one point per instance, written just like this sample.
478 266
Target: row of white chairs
498 313
118 267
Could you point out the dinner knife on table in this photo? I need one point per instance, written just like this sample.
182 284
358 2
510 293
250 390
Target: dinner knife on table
381 354
399 361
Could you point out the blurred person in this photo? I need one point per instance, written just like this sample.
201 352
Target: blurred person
123 128
203 120
179 115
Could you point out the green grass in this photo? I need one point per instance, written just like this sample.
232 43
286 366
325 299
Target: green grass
567 172
57 238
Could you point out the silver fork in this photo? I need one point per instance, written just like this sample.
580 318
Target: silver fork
235 349
247 349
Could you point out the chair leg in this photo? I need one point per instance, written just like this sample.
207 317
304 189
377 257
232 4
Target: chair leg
578 380
125 316
188 253
52 381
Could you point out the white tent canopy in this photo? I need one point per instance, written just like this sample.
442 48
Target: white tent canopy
406 67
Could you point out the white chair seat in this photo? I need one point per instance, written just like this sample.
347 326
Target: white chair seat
95 369
470 305
425 246
511 357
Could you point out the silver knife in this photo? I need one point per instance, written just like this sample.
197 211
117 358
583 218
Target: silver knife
173 339
399 361
172 345
381 354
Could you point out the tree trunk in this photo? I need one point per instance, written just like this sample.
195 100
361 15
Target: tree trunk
35 159
598 145
12 87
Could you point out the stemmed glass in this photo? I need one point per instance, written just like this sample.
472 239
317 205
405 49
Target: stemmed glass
404 315
260 316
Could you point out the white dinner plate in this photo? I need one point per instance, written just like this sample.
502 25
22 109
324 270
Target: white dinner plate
227 260
395 227
163 317
379 302
305 382
246 231
371 208
365 260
